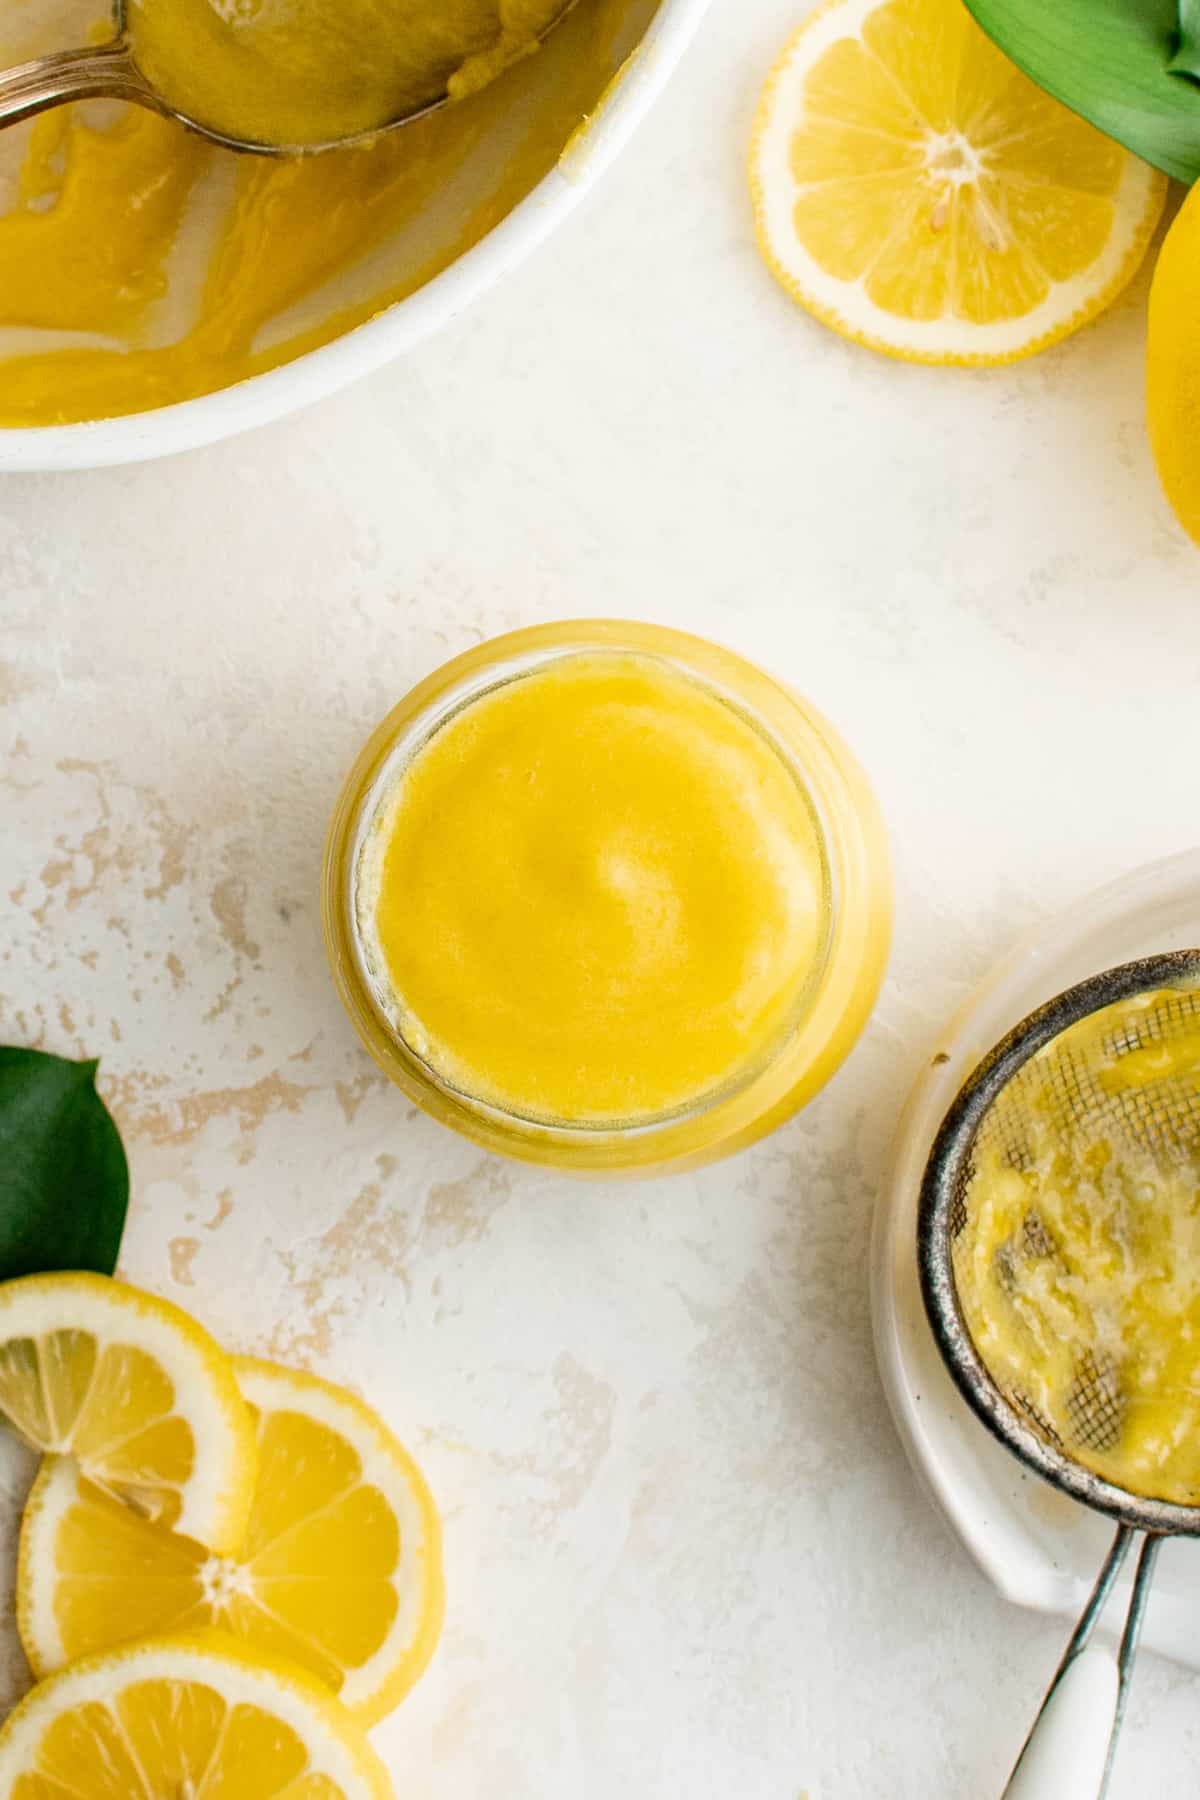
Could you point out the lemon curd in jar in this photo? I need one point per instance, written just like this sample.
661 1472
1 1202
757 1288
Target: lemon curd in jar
586 899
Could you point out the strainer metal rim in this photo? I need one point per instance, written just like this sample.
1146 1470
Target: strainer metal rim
944 1169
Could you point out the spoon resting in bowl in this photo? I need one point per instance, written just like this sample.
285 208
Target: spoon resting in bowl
328 73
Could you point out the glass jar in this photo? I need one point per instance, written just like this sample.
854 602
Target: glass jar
838 992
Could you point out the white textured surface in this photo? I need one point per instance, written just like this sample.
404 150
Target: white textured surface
686 1556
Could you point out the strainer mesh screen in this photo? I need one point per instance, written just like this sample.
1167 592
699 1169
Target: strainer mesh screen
1102 1117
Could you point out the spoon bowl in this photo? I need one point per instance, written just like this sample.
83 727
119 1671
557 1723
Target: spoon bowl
110 72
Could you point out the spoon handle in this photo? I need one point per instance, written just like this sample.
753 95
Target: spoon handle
107 72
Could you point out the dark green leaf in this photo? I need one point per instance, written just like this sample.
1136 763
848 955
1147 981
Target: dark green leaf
64 1181
1111 61
1186 60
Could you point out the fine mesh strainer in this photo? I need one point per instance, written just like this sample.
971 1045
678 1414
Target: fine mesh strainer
1068 1754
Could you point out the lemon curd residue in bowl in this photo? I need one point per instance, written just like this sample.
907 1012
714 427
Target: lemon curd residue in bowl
140 266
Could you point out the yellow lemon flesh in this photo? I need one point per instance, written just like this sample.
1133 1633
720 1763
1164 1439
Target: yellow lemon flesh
920 195
596 893
173 1718
136 1392
310 72
339 1568
1173 365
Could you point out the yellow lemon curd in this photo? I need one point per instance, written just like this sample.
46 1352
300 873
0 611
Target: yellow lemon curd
596 893
604 896
140 266
312 71
1078 1272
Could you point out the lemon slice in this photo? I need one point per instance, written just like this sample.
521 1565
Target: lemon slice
186 1718
134 1390
919 194
339 1569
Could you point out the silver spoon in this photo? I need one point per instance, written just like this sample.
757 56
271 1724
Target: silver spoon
109 72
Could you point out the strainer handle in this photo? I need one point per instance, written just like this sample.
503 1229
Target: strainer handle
1068 1754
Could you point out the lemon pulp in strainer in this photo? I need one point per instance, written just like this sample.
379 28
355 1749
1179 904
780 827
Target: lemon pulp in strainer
1077 1250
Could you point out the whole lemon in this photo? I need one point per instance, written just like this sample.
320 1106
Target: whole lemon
1173 365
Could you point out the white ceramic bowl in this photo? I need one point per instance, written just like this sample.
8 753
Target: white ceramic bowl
192 423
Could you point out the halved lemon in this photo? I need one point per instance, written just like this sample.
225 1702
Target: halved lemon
186 1718
339 1568
137 1392
920 195
1173 365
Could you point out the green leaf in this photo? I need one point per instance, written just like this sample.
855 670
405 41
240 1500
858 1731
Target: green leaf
1113 61
64 1180
1186 60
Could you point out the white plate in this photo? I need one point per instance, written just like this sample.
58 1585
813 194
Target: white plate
1038 1547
